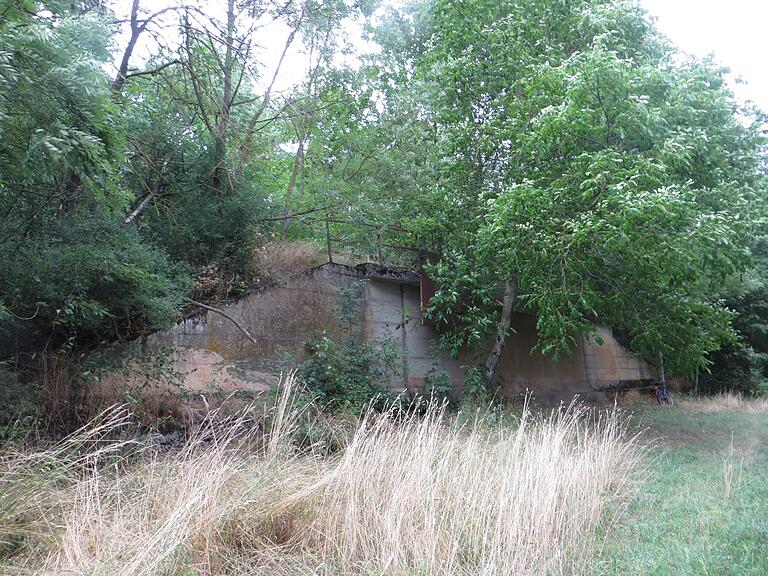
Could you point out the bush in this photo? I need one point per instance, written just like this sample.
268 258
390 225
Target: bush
437 383
347 373
345 376
475 393
89 280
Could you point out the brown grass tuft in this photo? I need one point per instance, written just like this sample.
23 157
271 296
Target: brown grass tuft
433 495
276 261
727 402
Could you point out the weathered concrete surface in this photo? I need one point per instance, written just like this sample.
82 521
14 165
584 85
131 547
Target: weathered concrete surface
199 381
610 362
211 351
394 312
281 318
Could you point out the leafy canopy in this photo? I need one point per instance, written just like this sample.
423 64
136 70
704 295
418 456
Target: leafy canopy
609 177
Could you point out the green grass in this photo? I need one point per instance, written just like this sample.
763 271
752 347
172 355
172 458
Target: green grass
703 509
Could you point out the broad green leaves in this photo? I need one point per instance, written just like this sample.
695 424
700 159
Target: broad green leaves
585 160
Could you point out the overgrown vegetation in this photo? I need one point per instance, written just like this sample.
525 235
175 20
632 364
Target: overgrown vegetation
405 495
559 158
742 364
347 373
590 172
585 171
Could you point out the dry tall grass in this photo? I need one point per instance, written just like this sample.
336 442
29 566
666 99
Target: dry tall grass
408 495
728 402
423 497
35 485
275 261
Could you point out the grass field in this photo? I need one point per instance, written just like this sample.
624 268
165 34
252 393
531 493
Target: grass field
703 509
577 493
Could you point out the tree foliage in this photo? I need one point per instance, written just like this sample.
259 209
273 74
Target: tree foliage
71 274
589 164
559 158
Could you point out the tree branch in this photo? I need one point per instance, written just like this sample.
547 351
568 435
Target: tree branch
153 71
139 209
227 316
249 131
294 215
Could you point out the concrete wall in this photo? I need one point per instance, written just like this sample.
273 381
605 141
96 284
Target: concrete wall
279 318
393 311
284 317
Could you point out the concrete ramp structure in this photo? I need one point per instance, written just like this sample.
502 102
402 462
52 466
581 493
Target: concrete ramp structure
387 307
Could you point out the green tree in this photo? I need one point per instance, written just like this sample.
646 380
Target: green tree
72 274
742 364
369 158
590 173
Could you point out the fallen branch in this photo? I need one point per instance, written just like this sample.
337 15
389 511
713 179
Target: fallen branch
139 209
227 316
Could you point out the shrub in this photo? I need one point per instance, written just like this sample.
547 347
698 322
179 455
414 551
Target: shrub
346 375
437 383
475 393
91 280
202 230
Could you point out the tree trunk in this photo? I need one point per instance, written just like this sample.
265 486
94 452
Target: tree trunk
508 307
245 147
696 382
220 144
298 164
138 26
136 30
139 208
328 238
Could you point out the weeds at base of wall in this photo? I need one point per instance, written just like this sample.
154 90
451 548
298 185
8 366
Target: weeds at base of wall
65 392
347 375
147 382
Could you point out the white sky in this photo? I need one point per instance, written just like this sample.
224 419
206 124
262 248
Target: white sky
735 31
266 50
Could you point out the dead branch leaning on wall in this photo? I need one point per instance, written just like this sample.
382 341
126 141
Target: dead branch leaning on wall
227 316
